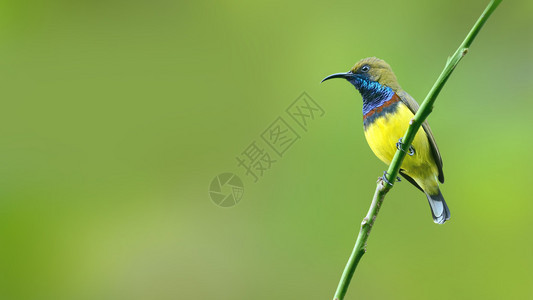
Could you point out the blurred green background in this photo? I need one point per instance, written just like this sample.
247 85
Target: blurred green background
117 115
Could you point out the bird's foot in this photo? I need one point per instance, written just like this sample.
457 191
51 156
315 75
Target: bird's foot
399 146
384 178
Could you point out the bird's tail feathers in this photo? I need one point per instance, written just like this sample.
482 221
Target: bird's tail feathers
439 209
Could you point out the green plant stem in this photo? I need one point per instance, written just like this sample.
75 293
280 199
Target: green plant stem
382 188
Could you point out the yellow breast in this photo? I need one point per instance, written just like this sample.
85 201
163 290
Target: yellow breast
386 130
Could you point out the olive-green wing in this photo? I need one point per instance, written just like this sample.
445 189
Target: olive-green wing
413 106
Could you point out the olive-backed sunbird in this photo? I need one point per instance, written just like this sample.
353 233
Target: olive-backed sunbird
387 111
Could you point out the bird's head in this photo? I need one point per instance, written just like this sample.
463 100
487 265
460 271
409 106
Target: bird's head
367 71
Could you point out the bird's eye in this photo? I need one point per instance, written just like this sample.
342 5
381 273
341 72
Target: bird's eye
365 68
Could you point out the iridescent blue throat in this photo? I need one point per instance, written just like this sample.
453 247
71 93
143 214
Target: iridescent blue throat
374 94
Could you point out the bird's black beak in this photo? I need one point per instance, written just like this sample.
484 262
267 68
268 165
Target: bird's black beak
346 75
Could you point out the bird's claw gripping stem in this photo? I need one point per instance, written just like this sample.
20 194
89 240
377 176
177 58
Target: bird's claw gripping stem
384 178
399 146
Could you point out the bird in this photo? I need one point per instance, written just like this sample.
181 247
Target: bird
387 112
